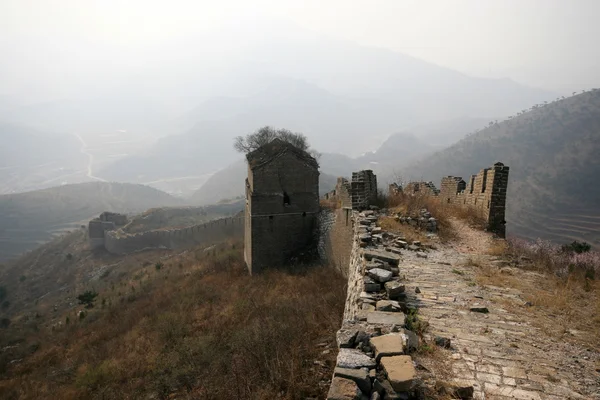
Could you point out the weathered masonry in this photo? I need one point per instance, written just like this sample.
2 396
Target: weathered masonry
97 228
357 194
105 233
282 203
364 189
485 194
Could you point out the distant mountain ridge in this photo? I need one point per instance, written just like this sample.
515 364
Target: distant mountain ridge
553 151
348 101
28 219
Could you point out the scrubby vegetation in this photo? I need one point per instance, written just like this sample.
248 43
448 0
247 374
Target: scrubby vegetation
411 205
197 328
560 282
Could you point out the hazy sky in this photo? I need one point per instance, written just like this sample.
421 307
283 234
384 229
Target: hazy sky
48 46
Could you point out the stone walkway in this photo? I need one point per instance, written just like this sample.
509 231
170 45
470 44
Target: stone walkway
499 353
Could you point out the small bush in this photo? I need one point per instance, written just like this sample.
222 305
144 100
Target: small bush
88 298
158 266
576 247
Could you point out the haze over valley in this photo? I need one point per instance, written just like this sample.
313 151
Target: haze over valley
161 108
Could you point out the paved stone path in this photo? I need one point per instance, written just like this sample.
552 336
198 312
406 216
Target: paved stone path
500 353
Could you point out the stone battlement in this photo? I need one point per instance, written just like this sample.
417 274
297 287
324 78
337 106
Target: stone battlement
357 194
484 194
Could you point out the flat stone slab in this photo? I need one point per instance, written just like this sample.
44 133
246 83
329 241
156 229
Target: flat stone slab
359 376
386 256
400 372
392 344
385 318
388 305
344 389
354 359
380 275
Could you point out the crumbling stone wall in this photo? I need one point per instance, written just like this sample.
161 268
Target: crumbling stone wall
97 228
119 242
342 193
374 345
484 194
364 189
116 218
421 188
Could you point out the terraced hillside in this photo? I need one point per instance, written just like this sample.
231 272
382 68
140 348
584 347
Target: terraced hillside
553 151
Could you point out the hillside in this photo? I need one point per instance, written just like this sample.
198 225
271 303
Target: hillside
163 323
28 219
553 151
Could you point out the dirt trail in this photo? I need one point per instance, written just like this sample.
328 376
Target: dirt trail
501 353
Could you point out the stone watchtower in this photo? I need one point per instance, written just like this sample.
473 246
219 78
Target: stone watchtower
282 203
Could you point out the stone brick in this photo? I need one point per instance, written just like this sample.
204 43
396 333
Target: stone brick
514 372
383 255
392 344
400 372
394 289
360 376
352 358
388 305
385 318
344 389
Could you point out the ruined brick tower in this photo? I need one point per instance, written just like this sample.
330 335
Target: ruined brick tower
485 194
282 203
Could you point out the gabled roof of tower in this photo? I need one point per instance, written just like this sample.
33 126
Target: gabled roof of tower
274 149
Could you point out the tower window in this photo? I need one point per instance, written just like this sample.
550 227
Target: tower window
286 199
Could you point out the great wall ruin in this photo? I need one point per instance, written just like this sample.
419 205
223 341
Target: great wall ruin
390 278
104 232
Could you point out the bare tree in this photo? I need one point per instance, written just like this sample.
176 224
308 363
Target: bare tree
266 134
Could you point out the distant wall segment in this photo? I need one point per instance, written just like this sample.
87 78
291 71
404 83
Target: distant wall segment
119 242
485 194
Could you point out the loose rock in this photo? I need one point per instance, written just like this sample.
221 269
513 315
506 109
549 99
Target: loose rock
344 389
380 275
351 358
394 289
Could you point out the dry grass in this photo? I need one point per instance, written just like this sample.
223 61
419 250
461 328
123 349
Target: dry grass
411 233
557 305
198 327
444 214
498 248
